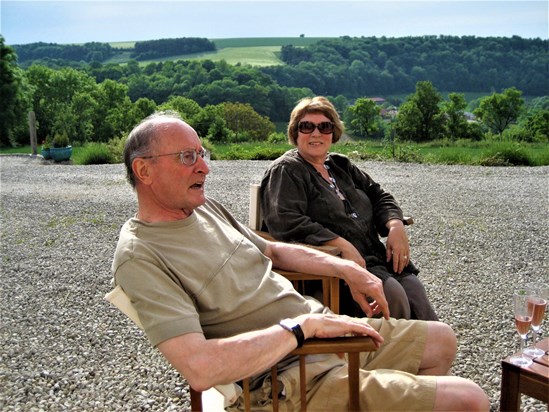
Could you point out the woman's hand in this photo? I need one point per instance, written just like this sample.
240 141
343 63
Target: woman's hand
398 246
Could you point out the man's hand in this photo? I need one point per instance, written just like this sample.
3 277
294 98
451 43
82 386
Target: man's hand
367 289
332 326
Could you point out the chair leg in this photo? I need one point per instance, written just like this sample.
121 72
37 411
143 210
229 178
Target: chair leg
196 401
246 390
274 387
302 383
334 295
354 399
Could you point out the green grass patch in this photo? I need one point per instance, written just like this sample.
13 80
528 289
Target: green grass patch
123 44
266 41
253 56
483 153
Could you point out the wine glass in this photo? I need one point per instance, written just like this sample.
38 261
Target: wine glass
538 293
523 317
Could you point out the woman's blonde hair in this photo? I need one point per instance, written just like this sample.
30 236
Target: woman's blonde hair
318 104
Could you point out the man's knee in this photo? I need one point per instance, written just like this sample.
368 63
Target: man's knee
440 349
459 394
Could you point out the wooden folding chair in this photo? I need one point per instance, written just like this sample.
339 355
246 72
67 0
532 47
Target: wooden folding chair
221 395
330 286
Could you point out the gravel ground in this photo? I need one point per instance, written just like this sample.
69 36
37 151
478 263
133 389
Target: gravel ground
479 232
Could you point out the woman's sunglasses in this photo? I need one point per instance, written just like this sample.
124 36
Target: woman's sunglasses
309 127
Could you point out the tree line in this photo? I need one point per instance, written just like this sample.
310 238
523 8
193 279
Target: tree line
156 49
63 54
58 55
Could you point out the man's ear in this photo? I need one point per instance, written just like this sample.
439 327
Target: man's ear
141 170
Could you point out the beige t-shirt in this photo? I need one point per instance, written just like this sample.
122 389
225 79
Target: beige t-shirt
204 274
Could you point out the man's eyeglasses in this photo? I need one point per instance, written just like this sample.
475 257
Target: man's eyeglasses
309 127
187 157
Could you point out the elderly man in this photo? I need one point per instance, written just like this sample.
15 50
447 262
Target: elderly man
208 299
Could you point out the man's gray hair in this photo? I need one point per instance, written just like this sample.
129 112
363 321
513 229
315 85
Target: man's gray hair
141 139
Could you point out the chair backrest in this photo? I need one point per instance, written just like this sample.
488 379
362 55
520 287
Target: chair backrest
118 298
214 399
255 217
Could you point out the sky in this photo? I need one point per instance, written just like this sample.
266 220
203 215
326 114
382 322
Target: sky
78 21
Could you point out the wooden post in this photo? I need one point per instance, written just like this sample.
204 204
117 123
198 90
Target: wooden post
32 131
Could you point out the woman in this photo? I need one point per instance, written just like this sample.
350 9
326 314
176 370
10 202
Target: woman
312 196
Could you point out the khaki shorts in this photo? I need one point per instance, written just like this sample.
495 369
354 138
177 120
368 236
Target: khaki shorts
388 380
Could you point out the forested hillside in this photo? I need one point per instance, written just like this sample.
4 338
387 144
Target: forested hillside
354 67
370 65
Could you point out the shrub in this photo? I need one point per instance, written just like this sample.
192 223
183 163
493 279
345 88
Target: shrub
116 148
506 155
60 140
277 137
95 154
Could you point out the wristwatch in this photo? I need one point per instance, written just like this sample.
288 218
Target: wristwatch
292 326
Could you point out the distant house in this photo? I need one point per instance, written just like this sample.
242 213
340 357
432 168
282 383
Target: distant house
470 117
377 100
388 113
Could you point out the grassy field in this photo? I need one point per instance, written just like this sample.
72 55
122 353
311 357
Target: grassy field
255 51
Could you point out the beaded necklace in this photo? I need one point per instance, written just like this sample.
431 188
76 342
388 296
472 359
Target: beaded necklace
333 185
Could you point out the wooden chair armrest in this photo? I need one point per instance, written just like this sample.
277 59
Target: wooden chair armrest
408 220
344 344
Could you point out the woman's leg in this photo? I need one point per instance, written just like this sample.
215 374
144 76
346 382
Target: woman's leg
417 297
399 306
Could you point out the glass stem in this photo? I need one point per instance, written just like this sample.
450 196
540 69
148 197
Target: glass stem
522 339
534 338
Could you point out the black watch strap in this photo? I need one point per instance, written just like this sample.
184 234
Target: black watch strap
294 327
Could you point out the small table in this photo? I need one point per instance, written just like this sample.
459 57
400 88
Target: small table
531 381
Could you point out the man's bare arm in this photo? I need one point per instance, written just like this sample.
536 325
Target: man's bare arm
208 362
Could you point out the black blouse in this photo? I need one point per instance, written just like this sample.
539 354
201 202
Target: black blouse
299 205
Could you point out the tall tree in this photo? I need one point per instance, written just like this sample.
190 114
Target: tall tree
455 125
420 118
363 118
14 99
500 110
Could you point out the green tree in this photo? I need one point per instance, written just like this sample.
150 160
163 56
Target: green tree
115 109
419 118
246 123
535 126
14 98
455 125
187 108
500 110
62 103
362 118
210 123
